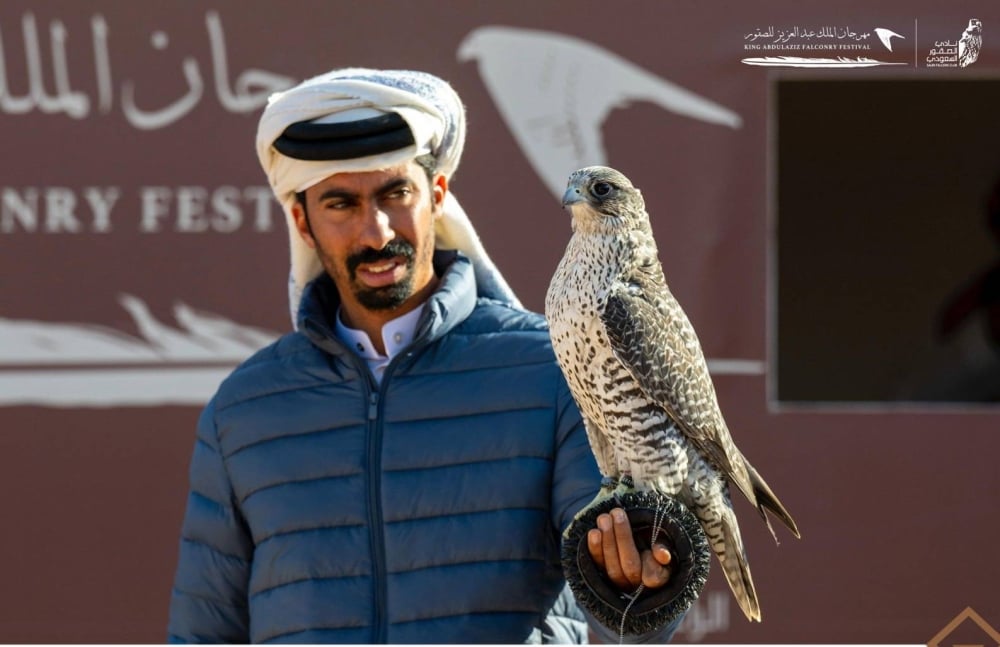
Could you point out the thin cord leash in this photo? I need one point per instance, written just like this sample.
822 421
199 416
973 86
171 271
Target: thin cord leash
632 598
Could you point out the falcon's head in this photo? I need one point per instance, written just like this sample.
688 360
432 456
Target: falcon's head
601 198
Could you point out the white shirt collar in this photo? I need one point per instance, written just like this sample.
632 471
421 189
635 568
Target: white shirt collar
396 335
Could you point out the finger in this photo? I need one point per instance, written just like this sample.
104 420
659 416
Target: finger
654 574
596 548
628 554
611 564
661 554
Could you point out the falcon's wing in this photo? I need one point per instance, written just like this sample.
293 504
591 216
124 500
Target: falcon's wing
660 349
662 353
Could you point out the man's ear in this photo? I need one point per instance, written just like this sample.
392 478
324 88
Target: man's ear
439 190
302 223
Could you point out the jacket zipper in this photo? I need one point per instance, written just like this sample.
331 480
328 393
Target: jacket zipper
375 520
375 517
380 624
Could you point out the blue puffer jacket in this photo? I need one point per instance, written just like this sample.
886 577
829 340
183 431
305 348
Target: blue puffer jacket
428 509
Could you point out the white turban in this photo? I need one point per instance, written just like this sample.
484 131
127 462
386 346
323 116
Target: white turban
436 118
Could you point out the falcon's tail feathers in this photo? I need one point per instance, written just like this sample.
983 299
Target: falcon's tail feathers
766 499
733 558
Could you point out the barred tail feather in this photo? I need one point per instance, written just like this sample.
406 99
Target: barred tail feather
733 558
766 500
718 519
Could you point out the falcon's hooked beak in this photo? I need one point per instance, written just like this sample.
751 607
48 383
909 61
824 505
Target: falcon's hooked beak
573 195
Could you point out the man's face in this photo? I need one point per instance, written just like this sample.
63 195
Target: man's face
374 234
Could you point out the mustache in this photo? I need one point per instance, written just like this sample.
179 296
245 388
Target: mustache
395 248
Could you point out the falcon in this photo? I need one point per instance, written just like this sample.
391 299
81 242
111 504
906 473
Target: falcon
637 372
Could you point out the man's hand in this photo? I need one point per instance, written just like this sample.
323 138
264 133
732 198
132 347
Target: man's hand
614 551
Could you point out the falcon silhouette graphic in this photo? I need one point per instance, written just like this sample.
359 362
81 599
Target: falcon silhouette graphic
555 91
886 35
970 43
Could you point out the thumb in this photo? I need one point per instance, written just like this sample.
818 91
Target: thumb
661 554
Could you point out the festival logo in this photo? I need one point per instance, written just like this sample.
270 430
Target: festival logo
962 52
834 47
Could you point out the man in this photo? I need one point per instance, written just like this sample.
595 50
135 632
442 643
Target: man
400 468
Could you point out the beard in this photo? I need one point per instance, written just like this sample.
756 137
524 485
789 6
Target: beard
389 296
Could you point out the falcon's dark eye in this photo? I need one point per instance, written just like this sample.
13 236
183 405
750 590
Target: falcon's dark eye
602 189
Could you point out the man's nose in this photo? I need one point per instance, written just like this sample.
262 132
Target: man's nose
378 229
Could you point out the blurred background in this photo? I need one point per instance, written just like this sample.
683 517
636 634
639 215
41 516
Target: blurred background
824 186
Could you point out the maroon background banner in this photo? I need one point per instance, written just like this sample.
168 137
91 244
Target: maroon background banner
818 176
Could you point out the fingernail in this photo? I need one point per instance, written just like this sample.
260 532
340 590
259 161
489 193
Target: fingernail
604 522
619 515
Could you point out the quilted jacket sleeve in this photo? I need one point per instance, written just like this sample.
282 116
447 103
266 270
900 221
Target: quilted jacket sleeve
576 477
574 483
209 599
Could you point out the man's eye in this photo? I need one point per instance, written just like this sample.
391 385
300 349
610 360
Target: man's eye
338 206
398 194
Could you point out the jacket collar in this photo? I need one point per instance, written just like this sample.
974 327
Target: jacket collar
451 304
